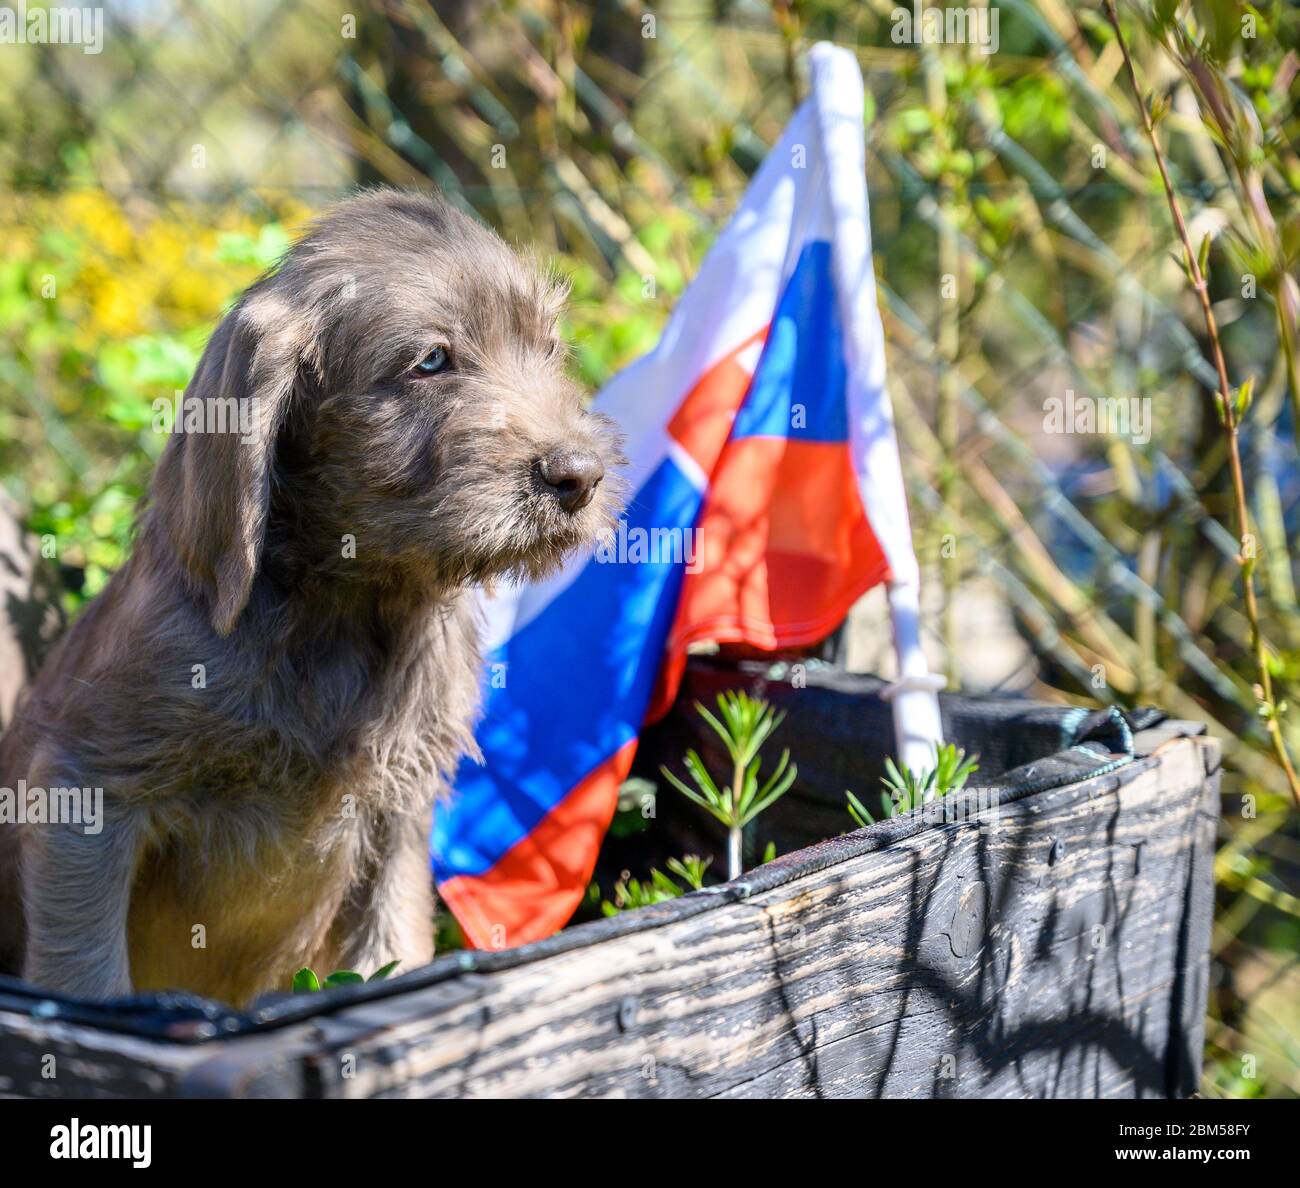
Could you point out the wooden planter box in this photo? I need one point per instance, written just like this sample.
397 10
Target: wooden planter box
1050 939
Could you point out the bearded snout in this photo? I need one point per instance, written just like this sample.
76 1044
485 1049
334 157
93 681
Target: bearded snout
570 475
577 462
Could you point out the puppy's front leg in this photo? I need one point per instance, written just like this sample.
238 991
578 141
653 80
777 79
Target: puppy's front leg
388 915
76 895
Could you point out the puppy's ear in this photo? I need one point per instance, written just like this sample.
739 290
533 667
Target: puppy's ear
213 488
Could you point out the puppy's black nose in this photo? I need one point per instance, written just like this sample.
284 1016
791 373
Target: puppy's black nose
572 476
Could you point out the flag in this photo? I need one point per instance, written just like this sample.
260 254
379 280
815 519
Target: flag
766 497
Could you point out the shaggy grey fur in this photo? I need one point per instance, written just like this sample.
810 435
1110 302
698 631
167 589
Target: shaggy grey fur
271 808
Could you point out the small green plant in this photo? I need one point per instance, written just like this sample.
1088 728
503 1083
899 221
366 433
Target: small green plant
305 979
447 934
746 724
905 790
861 814
635 808
632 893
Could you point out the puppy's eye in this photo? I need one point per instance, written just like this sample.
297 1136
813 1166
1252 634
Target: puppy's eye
435 361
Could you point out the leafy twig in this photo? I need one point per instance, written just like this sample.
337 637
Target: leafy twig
744 724
905 790
1269 709
630 893
306 980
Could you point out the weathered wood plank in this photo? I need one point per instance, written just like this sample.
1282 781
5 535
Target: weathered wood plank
1060 948
1035 955
48 1058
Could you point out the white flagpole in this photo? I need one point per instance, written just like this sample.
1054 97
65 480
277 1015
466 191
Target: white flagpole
839 100
918 728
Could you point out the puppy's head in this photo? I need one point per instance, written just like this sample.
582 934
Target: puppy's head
400 384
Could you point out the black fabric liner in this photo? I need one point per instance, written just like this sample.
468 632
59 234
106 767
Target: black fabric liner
838 729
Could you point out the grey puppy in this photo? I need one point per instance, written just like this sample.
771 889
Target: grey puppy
281 679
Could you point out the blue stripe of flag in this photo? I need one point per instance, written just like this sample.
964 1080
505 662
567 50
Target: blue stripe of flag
802 362
578 681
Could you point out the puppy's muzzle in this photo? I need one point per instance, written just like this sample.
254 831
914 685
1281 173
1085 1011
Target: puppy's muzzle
571 476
